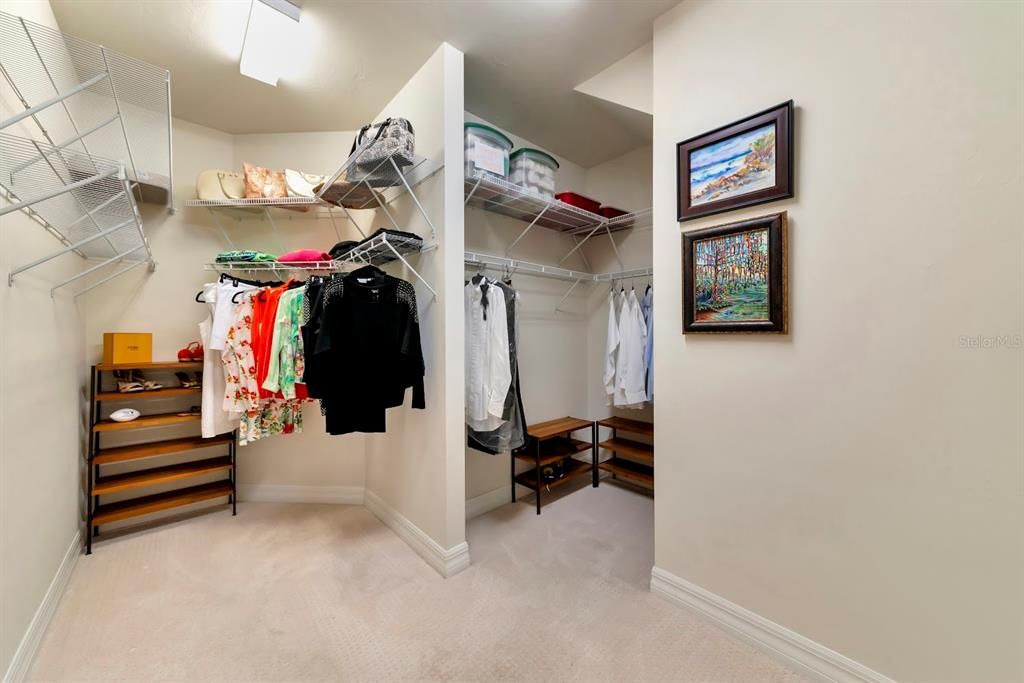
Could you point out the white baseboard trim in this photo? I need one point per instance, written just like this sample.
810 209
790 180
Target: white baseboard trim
29 645
447 562
486 502
296 493
792 649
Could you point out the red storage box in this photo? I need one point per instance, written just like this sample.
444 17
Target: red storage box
579 201
611 212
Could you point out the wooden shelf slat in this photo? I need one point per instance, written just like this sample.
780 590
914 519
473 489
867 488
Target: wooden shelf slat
628 425
133 395
553 451
159 475
160 365
574 468
634 450
154 448
563 425
144 421
630 471
136 507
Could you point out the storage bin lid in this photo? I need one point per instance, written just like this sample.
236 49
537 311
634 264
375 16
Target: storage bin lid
494 133
544 156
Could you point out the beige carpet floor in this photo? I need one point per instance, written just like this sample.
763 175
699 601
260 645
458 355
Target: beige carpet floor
287 592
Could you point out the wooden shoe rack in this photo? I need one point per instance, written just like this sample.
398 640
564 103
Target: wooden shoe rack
545 451
99 484
631 461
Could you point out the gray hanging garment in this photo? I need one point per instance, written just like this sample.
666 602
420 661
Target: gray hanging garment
511 435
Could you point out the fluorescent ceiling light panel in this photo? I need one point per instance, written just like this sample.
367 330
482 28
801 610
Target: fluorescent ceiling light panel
269 38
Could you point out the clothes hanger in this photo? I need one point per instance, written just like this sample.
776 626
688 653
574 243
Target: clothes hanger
367 271
235 280
199 299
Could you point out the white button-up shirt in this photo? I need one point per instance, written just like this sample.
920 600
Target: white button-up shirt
488 366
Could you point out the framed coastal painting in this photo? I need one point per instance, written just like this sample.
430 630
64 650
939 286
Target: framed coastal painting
735 277
744 163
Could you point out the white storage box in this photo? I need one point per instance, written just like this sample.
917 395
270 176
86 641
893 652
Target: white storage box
534 170
487 151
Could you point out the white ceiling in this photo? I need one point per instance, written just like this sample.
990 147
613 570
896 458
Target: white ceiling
523 59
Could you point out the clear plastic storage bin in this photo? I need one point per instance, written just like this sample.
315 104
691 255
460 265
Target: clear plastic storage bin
487 151
534 170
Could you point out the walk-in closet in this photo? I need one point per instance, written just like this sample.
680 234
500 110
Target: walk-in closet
570 249
337 338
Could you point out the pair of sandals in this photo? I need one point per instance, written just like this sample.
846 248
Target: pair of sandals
189 382
132 381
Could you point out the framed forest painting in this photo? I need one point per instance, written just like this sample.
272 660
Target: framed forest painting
743 163
735 277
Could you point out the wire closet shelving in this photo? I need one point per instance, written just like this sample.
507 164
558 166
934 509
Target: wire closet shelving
376 251
97 139
360 182
498 195
357 183
510 265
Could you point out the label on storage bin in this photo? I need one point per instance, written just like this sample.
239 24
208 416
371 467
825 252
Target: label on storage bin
489 157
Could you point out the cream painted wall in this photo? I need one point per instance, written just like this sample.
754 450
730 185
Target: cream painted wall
625 183
627 82
858 480
412 467
42 383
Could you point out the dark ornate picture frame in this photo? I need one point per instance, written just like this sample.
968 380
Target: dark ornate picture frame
741 170
742 289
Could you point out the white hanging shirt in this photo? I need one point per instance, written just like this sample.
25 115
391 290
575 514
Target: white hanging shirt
630 375
488 366
214 420
611 349
223 312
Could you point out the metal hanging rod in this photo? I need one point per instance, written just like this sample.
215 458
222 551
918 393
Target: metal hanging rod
542 270
624 275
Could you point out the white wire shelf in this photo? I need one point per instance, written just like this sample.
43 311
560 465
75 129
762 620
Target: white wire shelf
102 137
86 98
88 201
512 266
525 267
543 270
356 185
629 221
500 196
274 266
378 250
